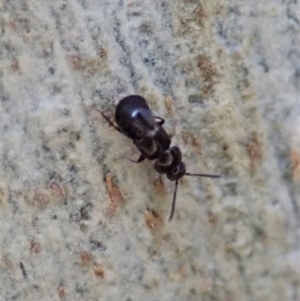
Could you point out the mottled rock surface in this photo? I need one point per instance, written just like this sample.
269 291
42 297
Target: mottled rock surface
77 222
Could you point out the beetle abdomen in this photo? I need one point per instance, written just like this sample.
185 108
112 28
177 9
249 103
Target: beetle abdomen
134 117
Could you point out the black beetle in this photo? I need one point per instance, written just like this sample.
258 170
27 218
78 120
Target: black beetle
135 120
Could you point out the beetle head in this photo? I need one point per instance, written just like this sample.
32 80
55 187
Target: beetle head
177 172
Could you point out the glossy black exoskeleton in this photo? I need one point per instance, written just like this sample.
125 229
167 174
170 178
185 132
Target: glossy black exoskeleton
135 120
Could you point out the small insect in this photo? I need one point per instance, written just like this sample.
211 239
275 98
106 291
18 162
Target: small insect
135 120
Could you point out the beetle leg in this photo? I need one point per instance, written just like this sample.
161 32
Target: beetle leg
140 159
160 122
107 119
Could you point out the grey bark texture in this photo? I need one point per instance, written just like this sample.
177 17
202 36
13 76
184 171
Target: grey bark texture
79 223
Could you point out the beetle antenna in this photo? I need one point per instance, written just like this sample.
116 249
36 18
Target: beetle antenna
202 175
174 201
